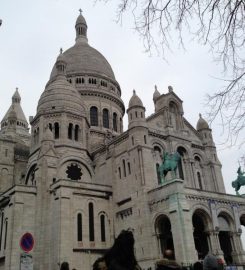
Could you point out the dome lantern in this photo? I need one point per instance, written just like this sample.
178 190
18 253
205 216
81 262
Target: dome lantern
61 64
81 28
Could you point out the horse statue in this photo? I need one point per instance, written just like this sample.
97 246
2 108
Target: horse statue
169 163
240 181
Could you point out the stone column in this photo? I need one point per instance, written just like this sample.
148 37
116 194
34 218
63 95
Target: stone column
182 232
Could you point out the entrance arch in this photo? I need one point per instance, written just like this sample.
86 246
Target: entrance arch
242 221
200 228
224 237
165 237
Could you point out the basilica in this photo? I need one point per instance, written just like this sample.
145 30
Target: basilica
73 177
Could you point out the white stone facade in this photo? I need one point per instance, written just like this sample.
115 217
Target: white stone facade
78 179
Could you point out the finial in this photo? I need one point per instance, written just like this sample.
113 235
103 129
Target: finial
200 115
61 50
156 88
80 10
170 88
16 88
134 92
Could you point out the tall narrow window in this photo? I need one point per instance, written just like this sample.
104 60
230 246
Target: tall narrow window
1 232
199 180
6 233
145 139
124 168
70 129
102 227
105 118
115 122
56 130
76 137
91 221
79 227
50 126
119 172
158 174
93 116
121 125
129 168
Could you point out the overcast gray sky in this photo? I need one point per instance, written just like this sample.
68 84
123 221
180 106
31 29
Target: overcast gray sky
33 32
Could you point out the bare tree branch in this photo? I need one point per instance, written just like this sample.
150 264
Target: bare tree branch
218 24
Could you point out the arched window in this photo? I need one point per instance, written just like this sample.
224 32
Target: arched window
158 174
102 227
182 152
199 180
105 118
91 221
50 126
70 129
145 139
132 140
76 137
1 232
119 172
93 116
6 233
56 130
79 227
121 125
129 168
115 121
124 168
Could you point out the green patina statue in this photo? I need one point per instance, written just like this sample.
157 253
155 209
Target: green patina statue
240 181
169 163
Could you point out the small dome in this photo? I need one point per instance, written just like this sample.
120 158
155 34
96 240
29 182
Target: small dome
135 101
202 124
81 20
60 95
156 93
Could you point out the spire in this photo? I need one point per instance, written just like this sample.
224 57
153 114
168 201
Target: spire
16 96
156 94
81 28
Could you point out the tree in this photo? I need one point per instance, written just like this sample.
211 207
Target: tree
218 24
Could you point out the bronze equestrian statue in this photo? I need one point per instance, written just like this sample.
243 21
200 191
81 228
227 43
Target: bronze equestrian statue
240 181
169 163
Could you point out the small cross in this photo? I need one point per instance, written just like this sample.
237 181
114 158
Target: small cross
61 50
80 10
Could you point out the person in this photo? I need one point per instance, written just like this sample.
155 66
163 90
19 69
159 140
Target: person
197 266
120 256
210 262
64 266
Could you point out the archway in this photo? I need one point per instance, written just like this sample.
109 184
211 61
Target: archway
165 237
182 151
199 234
242 221
224 238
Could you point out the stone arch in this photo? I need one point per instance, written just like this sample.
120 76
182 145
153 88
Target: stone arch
164 235
68 159
157 150
201 223
182 170
30 176
226 226
242 222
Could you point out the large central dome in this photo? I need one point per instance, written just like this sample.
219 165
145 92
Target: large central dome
82 58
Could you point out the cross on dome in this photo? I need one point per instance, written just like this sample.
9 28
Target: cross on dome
80 10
